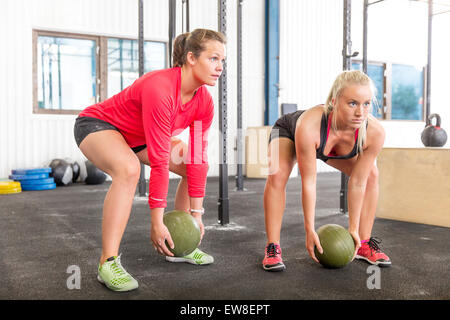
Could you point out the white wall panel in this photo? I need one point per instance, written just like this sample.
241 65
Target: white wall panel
310 51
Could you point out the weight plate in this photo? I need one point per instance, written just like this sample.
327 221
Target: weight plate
7 185
37 181
28 176
9 191
36 187
31 171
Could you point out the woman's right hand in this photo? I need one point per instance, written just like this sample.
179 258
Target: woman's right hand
312 239
159 234
357 241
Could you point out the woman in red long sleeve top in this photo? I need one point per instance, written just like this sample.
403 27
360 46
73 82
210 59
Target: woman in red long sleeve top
138 125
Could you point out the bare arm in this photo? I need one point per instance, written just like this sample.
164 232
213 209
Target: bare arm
360 173
306 158
305 146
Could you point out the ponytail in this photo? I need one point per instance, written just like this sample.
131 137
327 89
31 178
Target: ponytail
179 45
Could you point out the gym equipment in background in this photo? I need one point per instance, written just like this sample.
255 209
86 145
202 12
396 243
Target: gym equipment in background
34 179
93 174
434 136
9 187
61 171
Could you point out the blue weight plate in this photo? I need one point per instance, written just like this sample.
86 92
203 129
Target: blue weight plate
39 187
28 176
37 181
31 171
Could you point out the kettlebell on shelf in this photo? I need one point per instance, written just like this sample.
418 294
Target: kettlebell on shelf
434 136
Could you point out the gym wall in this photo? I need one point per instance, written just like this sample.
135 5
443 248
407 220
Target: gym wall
28 139
310 58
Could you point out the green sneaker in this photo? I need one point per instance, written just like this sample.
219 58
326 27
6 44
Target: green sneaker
197 257
114 276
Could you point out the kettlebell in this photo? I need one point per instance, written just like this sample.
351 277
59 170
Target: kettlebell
434 136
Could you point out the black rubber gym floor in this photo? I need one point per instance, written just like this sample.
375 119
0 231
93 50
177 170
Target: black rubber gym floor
46 236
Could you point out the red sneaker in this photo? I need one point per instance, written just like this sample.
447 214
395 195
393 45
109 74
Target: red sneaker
272 261
371 252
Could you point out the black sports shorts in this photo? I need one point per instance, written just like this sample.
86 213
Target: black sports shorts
85 125
285 126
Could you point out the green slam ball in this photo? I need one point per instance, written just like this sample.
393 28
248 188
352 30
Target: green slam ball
184 231
337 244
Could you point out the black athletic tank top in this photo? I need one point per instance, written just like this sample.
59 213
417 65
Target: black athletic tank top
324 131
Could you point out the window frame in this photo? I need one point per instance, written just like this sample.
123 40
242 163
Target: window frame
37 33
101 65
387 94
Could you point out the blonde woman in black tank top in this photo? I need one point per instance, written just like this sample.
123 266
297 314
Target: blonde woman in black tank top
344 135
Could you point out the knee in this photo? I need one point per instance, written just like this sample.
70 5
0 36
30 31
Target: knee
278 180
179 150
128 172
373 177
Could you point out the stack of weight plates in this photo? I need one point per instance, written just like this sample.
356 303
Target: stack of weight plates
9 186
34 179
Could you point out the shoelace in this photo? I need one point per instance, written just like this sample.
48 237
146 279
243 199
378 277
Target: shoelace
272 250
374 244
117 268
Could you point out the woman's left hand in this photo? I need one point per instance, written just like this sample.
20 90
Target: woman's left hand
198 217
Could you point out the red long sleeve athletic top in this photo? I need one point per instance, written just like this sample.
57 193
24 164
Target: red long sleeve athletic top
149 112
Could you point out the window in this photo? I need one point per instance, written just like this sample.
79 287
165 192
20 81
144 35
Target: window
72 71
123 62
400 90
407 93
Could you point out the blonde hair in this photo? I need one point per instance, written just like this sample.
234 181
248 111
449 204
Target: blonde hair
193 42
343 80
